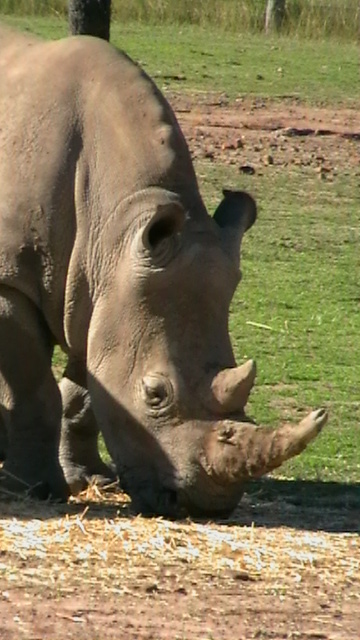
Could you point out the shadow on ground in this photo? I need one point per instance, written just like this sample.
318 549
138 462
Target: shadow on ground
331 507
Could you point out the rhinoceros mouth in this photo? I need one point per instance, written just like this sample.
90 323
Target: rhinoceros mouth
177 498
152 495
157 502
180 503
207 498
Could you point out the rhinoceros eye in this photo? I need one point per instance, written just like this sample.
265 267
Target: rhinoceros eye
157 392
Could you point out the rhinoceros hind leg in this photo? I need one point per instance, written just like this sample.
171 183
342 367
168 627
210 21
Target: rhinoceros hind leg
30 403
79 455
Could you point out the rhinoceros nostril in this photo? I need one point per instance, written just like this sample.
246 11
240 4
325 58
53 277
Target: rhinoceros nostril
225 433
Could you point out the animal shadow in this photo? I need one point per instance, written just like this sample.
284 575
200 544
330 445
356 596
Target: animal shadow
333 507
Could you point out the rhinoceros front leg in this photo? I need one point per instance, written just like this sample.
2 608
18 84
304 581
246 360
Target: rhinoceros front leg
30 403
79 455
3 440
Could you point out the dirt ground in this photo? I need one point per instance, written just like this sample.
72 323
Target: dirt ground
286 565
204 609
259 134
277 569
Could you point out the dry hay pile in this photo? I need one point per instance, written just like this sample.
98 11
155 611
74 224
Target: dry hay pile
95 540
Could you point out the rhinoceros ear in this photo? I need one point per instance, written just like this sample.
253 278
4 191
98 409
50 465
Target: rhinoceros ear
235 214
236 211
161 235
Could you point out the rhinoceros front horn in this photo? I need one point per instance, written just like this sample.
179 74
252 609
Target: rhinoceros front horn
230 388
236 451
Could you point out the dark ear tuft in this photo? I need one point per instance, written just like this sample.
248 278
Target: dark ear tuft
237 209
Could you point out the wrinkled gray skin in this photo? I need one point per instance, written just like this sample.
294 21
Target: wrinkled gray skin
106 249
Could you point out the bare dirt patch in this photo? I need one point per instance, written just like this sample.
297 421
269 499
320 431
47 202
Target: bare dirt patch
281 568
261 134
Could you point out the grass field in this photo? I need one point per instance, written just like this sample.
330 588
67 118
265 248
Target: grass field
301 262
304 18
189 58
287 562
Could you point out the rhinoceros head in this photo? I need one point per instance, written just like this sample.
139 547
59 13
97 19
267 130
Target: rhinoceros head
162 375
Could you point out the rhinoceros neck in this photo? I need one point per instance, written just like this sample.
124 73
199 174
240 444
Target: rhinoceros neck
132 144
130 130
85 130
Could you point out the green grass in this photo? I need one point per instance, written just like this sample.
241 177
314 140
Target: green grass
301 268
309 18
205 60
250 64
301 261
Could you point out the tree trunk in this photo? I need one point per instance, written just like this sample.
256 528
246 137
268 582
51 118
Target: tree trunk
275 14
90 17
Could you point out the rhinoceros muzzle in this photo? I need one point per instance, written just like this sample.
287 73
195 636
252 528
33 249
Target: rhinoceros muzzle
227 449
232 453
229 453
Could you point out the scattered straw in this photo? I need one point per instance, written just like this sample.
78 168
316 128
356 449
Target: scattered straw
101 543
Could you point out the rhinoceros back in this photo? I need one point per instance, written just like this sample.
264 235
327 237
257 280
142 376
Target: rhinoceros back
81 129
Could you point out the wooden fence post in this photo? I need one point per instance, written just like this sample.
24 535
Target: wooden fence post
90 17
275 14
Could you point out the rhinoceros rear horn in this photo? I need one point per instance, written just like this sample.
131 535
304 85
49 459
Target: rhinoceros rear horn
160 237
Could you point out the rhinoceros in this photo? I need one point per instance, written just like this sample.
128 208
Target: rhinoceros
107 249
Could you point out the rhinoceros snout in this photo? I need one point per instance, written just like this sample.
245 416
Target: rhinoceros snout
235 451
209 479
